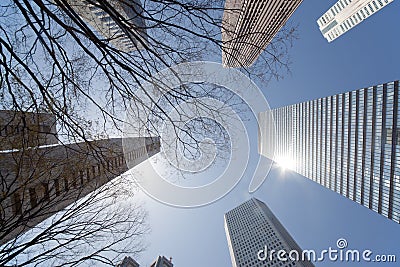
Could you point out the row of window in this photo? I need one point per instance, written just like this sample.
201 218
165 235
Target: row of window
114 29
354 19
43 191
131 156
333 11
251 226
390 137
334 140
241 47
9 129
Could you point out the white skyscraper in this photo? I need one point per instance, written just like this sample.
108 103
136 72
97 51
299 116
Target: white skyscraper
103 22
255 236
346 14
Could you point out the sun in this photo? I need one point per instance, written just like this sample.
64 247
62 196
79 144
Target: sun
286 163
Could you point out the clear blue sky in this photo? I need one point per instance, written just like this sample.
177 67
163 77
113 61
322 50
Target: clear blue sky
316 217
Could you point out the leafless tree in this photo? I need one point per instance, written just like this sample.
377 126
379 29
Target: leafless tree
97 220
53 61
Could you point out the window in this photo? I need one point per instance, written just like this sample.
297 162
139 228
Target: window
81 176
66 185
32 197
46 195
17 204
74 180
387 135
57 187
94 171
370 7
2 217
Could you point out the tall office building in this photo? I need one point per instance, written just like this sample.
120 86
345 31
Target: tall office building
26 129
37 182
128 262
349 143
249 26
252 227
346 14
162 261
105 24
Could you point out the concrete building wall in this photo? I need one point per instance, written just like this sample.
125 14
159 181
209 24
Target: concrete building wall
25 129
38 182
249 26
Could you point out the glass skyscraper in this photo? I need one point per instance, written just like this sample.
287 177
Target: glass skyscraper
349 143
346 14
253 233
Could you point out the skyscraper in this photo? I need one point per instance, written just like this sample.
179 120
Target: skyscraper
162 261
349 143
128 262
249 26
346 14
255 236
26 129
104 22
37 182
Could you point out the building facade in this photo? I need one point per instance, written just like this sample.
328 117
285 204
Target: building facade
37 182
349 143
249 26
25 129
346 14
253 232
162 261
128 262
131 36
